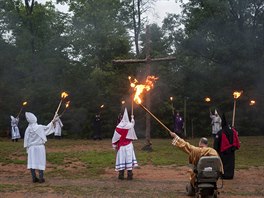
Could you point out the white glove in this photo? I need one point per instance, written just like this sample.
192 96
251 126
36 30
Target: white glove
175 138
114 146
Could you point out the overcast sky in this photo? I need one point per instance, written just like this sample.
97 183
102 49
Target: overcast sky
159 12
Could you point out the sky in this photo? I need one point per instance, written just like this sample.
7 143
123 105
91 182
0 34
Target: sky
160 9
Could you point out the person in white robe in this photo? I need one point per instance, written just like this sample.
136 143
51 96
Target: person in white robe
216 123
58 126
122 142
34 141
15 134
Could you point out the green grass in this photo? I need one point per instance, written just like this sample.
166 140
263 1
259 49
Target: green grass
96 156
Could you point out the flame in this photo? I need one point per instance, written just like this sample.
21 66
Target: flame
123 102
132 83
102 106
237 94
252 102
67 104
171 98
207 99
24 103
149 83
64 95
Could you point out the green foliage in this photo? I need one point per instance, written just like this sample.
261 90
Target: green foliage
218 47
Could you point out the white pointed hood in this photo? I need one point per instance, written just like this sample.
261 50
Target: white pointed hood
216 113
125 124
34 127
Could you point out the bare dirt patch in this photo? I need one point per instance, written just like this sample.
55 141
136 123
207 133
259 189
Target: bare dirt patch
149 181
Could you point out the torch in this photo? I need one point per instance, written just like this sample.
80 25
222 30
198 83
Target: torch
66 106
252 102
155 117
146 87
63 96
23 104
236 95
171 99
132 85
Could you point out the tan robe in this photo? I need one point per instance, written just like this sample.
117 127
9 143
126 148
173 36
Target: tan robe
195 153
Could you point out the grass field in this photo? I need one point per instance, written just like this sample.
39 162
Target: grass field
72 163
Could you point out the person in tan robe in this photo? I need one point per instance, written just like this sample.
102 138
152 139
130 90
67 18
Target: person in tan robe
195 153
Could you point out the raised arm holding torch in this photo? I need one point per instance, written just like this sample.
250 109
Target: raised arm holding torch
23 104
66 106
63 96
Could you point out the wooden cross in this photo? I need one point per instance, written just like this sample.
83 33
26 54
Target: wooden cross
148 60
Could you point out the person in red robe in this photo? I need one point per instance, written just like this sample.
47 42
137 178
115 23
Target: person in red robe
226 143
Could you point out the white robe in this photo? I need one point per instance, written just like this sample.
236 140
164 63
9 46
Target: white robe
216 123
34 141
58 126
125 156
14 128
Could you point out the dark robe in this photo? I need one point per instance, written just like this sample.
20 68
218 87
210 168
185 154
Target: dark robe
97 128
226 143
178 125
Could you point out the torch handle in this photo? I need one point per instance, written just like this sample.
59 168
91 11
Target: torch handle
132 106
58 108
156 118
19 112
234 113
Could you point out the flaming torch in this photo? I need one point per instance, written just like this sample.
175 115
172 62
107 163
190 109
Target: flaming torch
23 105
172 106
132 85
63 96
252 102
139 90
236 95
207 99
67 104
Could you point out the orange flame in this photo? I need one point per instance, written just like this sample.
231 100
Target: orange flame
123 102
237 94
64 95
132 83
252 102
67 104
102 106
207 99
24 103
141 88
171 98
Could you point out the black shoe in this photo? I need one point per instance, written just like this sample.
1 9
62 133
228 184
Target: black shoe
121 175
129 175
35 180
41 180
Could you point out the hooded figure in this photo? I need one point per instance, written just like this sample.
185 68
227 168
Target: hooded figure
14 129
122 141
226 143
34 141
58 126
216 123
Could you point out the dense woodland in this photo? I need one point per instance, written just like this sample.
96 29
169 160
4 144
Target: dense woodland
218 46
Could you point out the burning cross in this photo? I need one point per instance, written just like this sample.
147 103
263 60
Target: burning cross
148 60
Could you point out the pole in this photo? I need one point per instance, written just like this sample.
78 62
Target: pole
155 118
234 112
58 108
132 105
185 113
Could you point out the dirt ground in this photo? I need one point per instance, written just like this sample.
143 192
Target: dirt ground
149 181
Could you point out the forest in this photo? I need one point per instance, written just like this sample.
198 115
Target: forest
217 48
